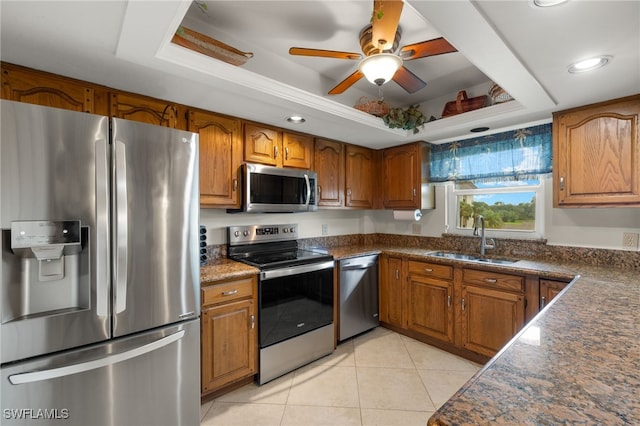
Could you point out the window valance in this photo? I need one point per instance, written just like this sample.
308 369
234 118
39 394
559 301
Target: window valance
513 155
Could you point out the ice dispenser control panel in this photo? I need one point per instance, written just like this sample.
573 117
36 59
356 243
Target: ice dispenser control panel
45 239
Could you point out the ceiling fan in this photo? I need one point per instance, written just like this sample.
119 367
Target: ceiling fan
379 41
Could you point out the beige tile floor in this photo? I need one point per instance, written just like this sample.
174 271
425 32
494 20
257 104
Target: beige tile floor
378 378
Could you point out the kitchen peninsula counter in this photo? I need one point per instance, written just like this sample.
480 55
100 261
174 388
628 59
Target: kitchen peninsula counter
577 362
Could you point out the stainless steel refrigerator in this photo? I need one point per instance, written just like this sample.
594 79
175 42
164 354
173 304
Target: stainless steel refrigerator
100 275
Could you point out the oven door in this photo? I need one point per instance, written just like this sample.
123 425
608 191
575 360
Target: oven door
294 300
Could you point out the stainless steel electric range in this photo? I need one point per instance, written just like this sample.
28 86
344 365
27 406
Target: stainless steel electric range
295 296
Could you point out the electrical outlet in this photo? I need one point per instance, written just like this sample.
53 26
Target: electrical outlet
325 229
416 228
630 240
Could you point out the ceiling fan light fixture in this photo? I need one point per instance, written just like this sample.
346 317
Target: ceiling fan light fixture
380 68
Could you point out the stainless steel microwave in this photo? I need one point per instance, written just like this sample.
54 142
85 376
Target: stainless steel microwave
269 189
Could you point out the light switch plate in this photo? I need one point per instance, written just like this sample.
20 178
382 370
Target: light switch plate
325 229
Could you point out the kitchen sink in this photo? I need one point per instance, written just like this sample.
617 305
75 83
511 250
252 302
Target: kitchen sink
470 258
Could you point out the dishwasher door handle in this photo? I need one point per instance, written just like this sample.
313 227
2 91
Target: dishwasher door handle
353 267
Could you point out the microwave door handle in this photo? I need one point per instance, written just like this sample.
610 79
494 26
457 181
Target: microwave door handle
121 227
306 179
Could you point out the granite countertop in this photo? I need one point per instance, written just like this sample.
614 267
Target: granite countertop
224 269
576 362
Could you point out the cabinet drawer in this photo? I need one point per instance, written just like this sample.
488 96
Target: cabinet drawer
493 279
431 269
227 291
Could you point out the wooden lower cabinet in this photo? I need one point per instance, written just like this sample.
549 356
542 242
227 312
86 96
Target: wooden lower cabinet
392 290
549 289
229 333
430 296
490 318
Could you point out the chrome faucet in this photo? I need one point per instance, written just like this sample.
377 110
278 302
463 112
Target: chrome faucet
483 240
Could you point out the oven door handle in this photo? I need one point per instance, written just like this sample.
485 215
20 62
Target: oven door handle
295 270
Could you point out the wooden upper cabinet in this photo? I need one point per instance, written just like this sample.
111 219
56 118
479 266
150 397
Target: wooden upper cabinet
220 158
401 170
297 150
360 176
261 144
329 164
146 110
272 147
40 88
596 154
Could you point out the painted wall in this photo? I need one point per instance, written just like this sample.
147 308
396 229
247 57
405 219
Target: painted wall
597 228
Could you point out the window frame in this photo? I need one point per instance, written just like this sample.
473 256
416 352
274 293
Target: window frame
451 198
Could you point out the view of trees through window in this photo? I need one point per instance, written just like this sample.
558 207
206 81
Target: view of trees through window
505 209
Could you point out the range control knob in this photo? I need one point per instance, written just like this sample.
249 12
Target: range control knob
245 233
292 229
236 234
285 230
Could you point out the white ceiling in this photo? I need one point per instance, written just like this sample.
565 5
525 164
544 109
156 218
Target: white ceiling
525 49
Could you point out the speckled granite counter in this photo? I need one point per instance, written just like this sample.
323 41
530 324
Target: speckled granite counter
223 269
577 362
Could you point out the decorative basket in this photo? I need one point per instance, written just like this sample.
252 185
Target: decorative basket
464 104
373 107
499 95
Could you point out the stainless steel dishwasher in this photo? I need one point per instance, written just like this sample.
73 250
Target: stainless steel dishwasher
358 295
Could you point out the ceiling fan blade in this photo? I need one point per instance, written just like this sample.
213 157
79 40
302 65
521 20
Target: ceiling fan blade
385 19
437 46
302 51
408 80
346 83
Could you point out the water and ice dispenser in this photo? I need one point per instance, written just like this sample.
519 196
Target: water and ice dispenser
47 269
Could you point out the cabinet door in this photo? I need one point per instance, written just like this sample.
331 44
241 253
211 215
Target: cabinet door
401 177
228 344
297 150
597 154
44 89
262 145
549 289
220 158
429 307
392 291
359 177
329 164
490 318
146 110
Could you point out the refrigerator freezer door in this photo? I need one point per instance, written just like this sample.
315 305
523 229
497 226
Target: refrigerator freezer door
149 379
53 172
156 214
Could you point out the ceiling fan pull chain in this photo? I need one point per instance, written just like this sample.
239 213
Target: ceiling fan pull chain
380 95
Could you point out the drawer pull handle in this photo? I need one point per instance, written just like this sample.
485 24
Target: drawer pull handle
229 293
397 274
428 270
491 280
300 325
463 304
449 301
543 302
253 321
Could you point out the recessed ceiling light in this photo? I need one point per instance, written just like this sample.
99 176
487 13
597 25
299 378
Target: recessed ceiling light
547 3
296 119
589 64
479 129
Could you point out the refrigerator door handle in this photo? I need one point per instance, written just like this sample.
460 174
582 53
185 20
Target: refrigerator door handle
102 229
37 376
122 226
